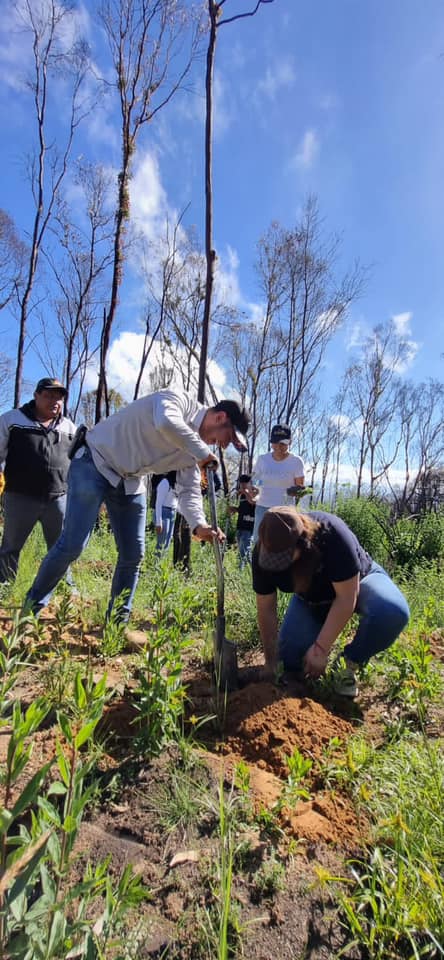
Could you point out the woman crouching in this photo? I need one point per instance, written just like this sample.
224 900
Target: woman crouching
318 559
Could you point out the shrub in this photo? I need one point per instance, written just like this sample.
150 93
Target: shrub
414 539
369 519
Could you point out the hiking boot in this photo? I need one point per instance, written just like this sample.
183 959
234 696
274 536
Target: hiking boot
135 640
344 681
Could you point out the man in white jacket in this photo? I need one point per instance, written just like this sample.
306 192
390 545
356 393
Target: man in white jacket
164 431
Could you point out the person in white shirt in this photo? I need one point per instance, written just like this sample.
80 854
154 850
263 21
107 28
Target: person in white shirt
165 511
163 431
273 474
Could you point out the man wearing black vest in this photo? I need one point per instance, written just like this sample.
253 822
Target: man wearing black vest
34 445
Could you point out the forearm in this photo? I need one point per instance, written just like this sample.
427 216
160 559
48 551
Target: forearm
190 497
339 614
268 627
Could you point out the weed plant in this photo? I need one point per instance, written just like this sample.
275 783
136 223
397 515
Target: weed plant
395 908
368 518
298 767
160 696
424 588
41 916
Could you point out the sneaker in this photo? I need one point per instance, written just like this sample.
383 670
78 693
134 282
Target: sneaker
344 682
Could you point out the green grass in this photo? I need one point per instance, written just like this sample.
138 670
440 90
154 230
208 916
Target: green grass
395 905
391 901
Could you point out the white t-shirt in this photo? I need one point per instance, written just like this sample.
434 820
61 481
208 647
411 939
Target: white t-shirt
274 476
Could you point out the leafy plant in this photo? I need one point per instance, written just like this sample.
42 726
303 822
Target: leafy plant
368 518
160 695
269 879
394 906
413 679
41 917
415 538
298 766
113 636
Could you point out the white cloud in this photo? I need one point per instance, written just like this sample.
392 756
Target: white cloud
276 78
356 335
326 321
341 421
226 279
401 323
222 107
149 207
124 363
16 57
307 151
401 365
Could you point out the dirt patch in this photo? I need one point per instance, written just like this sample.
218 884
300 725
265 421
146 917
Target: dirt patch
264 724
281 848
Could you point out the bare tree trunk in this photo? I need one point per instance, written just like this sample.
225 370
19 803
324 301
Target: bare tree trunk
144 37
48 57
210 254
122 215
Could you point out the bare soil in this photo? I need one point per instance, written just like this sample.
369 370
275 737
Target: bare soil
283 914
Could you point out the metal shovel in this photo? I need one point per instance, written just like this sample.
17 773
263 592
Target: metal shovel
225 654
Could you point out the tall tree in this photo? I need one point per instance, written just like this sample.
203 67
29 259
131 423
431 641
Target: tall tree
146 39
420 411
216 20
371 386
308 303
80 267
46 22
12 260
304 304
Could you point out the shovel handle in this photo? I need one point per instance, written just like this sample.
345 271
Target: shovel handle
216 544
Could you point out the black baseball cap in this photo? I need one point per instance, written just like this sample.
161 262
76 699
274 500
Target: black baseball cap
240 421
280 433
50 383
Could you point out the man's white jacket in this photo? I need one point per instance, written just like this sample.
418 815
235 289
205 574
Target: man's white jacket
154 434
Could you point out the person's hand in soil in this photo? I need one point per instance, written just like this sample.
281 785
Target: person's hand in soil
315 661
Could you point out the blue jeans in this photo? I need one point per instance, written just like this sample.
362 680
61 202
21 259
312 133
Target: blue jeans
382 609
165 535
22 513
87 490
244 538
258 514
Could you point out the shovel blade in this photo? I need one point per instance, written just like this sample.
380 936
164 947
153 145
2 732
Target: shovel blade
225 659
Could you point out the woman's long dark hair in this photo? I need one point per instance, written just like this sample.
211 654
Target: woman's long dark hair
304 568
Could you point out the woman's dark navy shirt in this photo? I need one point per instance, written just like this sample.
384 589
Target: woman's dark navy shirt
341 558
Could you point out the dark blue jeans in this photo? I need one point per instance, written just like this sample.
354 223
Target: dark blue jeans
87 490
382 609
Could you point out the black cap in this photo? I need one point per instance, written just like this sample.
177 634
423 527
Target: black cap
240 421
280 433
50 383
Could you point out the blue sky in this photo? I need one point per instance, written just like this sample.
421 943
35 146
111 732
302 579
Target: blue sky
344 100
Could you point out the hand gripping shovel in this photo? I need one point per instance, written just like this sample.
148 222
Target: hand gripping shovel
225 655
